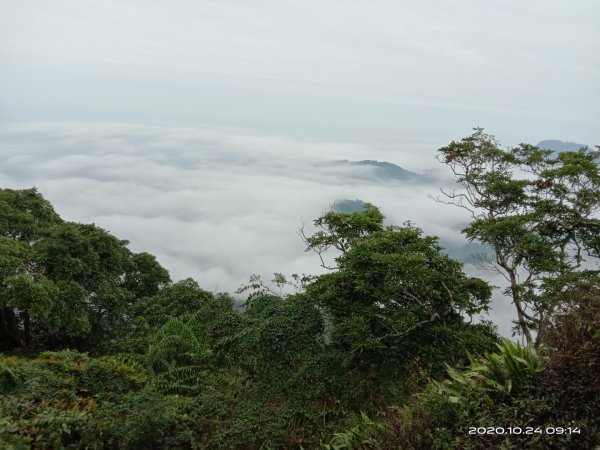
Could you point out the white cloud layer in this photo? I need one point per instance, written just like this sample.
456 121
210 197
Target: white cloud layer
211 203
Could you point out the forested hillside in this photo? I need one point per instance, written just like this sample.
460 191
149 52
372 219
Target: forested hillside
102 350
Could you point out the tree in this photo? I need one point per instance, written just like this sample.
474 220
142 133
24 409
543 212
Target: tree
146 277
24 214
341 231
63 283
394 297
281 334
537 212
176 300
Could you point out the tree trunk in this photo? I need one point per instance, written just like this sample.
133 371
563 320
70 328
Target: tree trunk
523 321
9 334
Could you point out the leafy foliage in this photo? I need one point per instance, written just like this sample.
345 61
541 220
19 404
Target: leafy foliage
331 362
341 231
48 402
359 436
396 297
65 284
538 214
176 357
511 370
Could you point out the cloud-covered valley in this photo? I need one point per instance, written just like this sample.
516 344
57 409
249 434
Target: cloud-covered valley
218 204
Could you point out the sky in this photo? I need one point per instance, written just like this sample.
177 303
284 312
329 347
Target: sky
380 70
200 130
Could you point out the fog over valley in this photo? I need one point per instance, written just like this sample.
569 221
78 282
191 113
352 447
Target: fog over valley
208 132
216 204
220 204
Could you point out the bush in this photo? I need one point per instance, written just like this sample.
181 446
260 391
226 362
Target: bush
47 402
506 373
509 389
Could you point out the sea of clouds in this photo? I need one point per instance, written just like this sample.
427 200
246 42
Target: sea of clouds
219 204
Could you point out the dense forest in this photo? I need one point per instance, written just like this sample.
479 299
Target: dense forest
102 350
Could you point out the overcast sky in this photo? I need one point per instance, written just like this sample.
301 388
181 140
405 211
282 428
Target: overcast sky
198 129
526 70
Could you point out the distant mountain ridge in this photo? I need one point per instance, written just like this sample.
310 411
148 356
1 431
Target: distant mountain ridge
560 146
383 170
347 206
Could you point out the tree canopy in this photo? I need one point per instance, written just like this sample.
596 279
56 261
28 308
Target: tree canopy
537 211
65 284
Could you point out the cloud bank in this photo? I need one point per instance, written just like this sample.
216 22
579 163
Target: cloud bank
212 203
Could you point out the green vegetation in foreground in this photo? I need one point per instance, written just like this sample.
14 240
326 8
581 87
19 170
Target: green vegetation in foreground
103 351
